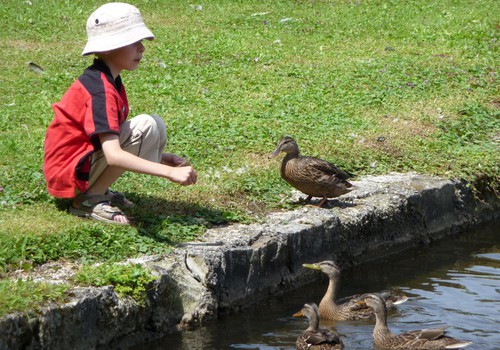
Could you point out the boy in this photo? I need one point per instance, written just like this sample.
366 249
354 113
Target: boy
89 144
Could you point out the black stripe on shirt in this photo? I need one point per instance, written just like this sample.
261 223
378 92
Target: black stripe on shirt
92 80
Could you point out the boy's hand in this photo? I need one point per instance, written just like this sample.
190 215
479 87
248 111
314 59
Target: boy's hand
173 160
183 173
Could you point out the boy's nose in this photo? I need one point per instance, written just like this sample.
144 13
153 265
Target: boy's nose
141 47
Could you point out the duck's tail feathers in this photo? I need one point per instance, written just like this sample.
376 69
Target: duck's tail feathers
460 345
344 175
400 300
352 187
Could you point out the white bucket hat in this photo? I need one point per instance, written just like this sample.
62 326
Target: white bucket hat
114 25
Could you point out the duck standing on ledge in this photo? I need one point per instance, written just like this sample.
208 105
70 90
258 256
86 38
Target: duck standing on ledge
312 176
346 308
315 338
429 339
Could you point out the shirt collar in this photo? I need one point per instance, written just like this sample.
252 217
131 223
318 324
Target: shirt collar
101 66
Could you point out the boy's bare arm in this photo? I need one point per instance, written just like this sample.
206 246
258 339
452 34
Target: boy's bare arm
172 167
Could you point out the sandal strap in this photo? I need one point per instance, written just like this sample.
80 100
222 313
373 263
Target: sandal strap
91 200
107 210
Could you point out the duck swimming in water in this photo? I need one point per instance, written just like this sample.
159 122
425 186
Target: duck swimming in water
346 308
314 337
429 339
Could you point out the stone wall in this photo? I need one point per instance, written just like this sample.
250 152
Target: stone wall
235 266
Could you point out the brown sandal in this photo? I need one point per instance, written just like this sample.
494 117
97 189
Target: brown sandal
97 207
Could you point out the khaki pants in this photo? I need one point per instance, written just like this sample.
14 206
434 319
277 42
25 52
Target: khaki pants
144 136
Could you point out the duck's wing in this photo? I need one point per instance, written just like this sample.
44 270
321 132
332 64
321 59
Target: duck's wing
348 300
354 308
423 334
325 167
431 334
321 336
363 310
434 338
307 170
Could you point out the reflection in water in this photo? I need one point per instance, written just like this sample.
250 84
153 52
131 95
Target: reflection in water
454 282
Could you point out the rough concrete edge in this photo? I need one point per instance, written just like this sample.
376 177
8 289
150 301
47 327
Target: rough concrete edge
235 266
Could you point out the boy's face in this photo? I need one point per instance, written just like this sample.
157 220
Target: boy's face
127 57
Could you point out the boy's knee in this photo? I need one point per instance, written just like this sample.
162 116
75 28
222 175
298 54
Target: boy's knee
151 124
145 136
159 121
162 128
148 120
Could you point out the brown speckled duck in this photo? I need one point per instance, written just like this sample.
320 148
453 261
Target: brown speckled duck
314 337
430 339
313 176
346 308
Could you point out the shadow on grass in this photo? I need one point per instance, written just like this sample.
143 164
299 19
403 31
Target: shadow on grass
172 222
167 221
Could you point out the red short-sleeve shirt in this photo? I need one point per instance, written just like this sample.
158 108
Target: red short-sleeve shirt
95 104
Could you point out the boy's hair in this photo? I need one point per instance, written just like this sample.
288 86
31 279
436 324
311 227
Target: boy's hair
114 25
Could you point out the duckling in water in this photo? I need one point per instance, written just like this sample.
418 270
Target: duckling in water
312 176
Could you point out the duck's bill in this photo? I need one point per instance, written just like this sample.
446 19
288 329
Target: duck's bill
275 153
312 266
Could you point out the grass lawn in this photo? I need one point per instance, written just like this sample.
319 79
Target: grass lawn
373 86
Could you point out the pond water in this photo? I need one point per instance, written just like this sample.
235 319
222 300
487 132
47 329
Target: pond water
454 282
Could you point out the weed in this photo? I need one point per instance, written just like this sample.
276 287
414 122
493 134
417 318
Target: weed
92 242
469 126
131 280
22 296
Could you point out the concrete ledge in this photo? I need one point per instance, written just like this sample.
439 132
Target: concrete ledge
235 266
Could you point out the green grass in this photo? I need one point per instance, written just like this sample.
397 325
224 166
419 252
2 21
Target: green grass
29 295
230 80
128 280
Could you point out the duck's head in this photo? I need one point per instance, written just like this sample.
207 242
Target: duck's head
328 267
287 144
372 301
309 310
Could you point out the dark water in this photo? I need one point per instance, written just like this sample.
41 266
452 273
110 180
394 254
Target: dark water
454 282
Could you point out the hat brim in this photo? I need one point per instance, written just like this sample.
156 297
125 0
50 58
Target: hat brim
114 41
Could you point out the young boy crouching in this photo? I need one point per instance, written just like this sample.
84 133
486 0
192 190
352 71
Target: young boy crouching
90 143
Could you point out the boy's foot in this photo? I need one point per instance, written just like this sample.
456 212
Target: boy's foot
98 207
